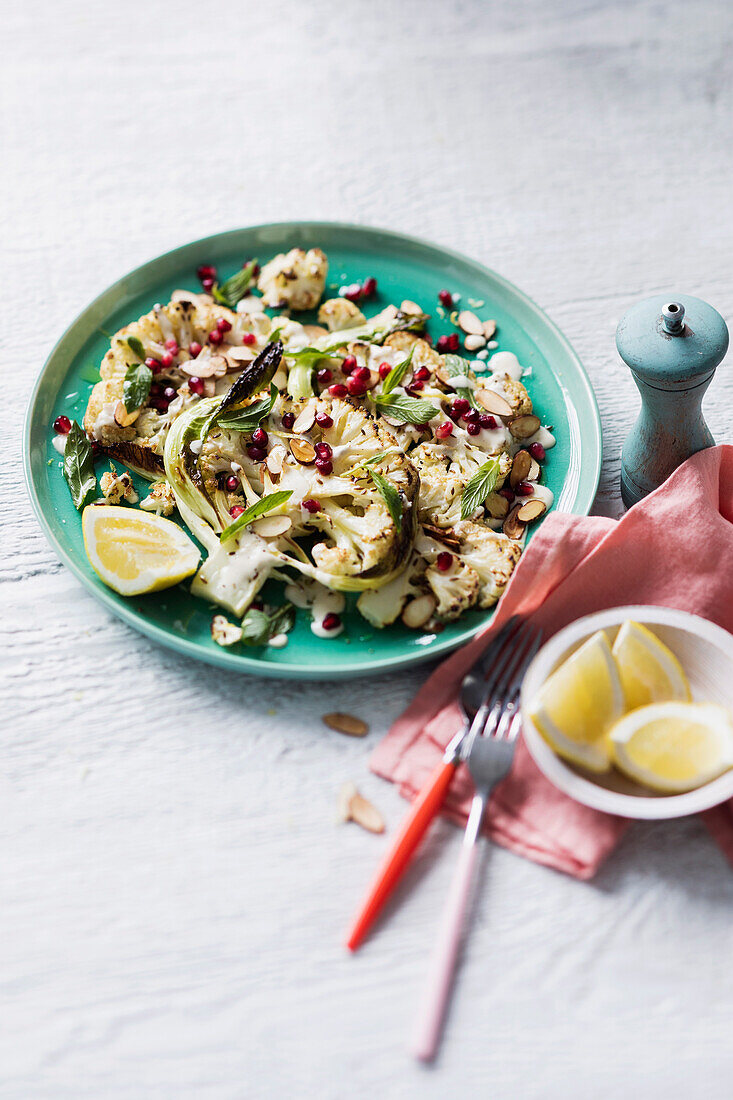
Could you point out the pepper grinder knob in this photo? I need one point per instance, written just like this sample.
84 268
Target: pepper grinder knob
672 347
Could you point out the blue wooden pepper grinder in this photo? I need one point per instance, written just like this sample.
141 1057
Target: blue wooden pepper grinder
672 347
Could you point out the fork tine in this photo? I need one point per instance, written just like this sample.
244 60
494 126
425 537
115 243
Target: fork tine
505 725
501 650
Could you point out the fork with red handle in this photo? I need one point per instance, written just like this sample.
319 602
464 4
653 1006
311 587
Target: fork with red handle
476 699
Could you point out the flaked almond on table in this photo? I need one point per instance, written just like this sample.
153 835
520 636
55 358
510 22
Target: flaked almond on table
346 723
352 806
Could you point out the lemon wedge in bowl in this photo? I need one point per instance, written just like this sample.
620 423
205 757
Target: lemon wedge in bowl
579 702
136 552
650 672
674 747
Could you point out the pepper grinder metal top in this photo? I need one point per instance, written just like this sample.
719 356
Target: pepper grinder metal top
672 347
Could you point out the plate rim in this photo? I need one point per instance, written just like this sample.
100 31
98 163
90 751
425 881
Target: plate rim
242 663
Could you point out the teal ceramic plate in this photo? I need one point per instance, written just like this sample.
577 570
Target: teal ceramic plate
405 268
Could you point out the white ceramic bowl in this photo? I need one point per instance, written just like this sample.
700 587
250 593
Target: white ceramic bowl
704 650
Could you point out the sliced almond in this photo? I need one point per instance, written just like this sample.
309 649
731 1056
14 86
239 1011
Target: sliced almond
494 403
489 328
533 509
209 387
269 527
346 723
305 419
534 471
470 323
123 417
513 527
442 375
473 343
303 451
313 332
418 611
346 793
366 815
240 355
496 505
219 366
409 306
275 460
204 365
520 468
522 427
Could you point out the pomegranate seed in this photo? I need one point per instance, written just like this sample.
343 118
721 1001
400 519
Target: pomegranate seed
223 325
444 561
257 605
206 271
324 465
194 349
332 621
537 451
338 390
415 386
507 494
208 284
62 425
232 483
154 364
453 342
422 374
323 450
169 393
160 404
155 389
172 345
471 417
166 360
427 338
384 370
260 437
288 420
312 505
444 430
249 339
524 489
323 420
96 449
486 420
215 337
472 428
236 511
369 289
445 298
257 454
196 385
348 364
353 292
442 345
355 387
459 406
324 376
362 374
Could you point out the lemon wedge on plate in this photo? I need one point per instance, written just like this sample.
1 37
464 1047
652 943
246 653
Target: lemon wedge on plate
135 552
650 673
673 747
577 704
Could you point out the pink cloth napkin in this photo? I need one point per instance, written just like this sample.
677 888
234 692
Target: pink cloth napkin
674 549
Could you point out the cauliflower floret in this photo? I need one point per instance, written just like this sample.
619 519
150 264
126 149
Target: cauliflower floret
382 606
340 313
423 355
161 499
456 589
225 633
491 555
445 469
118 487
513 390
294 280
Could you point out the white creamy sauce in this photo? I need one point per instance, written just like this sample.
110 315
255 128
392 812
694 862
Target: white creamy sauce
322 601
542 493
59 442
106 418
462 382
544 436
506 362
278 641
195 446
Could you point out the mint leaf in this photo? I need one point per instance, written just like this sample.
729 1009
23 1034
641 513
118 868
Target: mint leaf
390 495
136 347
232 290
260 508
258 627
478 488
456 366
397 373
136 389
408 409
248 418
79 466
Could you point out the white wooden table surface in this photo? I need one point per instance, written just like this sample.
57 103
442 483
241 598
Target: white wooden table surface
173 887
